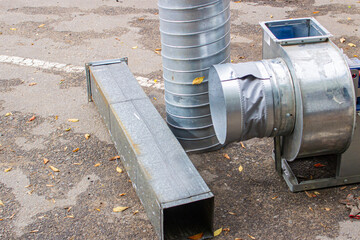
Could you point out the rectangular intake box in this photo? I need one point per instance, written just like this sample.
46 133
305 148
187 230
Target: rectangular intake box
177 201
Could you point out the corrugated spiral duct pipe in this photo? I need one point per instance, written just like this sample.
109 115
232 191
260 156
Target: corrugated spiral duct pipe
195 34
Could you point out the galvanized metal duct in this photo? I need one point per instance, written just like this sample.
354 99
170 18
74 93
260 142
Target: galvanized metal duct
254 99
195 35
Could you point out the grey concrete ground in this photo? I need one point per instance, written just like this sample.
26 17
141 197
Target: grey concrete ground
77 201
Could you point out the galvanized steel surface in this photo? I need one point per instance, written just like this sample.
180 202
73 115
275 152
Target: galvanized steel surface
194 35
254 99
176 199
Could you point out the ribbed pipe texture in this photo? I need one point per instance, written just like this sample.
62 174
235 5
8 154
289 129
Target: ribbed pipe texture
195 34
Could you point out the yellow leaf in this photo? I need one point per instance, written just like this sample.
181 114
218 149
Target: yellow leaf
136 212
97 209
351 45
118 169
316 193
119 209
8 169
226 156
98 164
342 40
1 203
198 80
251 237
8 114
76 150
241 168
155 80
32 84
196 236
242 145
271 16
87 136
46 160
56 117
327 209
73 120
158 49
68 129
355 55
54 169
232 213
135 47
154 98
13 29
217 232
114 158
69 216
316 12
41 25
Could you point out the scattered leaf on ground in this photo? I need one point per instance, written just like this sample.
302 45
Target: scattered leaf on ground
41 26
98 164
232 213
34 231
1 203
158 49
251 237
342 40
136 212
217 232
87 136
76 150
242 145
317 193
32 84
56 117
354 188
327 209
155 80
273 198
8 114
198 80
13 29
226 156
154 98
8 169
30 185
316 12
122 194
241 168
310 208
97 209
344 187
68 129
310 195
69 216
318 165
355 55
118 169
46 160
119 209
351 45
114 158
49 185
196 236
141 19
32 118
349 18
54 169
73 120
135 47
271 16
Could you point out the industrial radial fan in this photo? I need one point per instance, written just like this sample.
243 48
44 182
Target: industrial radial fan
302 93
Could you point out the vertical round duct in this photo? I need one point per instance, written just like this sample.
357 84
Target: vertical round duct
195 34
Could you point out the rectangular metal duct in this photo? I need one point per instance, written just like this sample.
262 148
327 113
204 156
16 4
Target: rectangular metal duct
177 201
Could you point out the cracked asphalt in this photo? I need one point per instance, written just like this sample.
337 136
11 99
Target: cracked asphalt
77 201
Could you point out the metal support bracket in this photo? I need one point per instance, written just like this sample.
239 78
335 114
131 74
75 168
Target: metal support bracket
176 199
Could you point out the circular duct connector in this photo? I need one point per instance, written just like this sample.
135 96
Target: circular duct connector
254 99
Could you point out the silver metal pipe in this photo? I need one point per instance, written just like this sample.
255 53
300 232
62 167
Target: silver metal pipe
195 34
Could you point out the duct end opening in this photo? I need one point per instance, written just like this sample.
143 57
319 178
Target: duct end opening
183 221
217 106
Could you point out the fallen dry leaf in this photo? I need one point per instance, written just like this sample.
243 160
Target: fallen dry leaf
114 158
98 164
135 47
310 195
196 236
342 40
87 136
226 156
34 231
68 129
316 12
1 203
232 213
310 208
122 194
54 169
354 188
316 193
344 187
327 209
273 198
218 232
136 212
46 160
8 114
355 55
141 19
242 145
318 165
73 120
271 16
198 80
118 169
119 209
49 185
76 150
32 118
158 49
13 29
351 45
69 216
32 84
56 117
41 26
8 169
30 185
251 237
241 168
97 209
